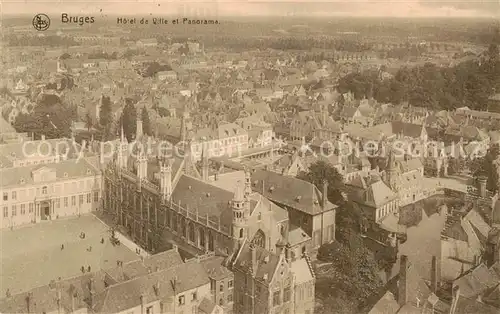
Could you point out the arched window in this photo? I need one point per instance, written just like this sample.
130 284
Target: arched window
260 238
174 222
183 227
191 232
210 241
201 234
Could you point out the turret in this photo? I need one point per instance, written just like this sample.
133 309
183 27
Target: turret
142 166
166 180
122 151
240 213
248 184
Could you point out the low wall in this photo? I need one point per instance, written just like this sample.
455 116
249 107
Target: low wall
130 244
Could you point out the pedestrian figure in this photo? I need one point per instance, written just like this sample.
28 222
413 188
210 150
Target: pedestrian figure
102 240
62 247
83 234
88 269
83 269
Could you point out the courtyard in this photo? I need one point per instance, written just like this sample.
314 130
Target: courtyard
32 256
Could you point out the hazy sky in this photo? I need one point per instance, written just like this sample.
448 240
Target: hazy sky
369 8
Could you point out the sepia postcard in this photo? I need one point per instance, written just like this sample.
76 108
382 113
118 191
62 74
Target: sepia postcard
250 157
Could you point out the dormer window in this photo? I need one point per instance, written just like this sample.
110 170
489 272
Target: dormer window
65 175
22 181
298 198
271 189
88 171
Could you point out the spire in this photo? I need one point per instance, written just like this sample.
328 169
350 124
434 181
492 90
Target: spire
138 128
239 195
204 162
122 135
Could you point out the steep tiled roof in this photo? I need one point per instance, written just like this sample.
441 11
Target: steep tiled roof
204 198
215 268
477 281
472 306
266 262
64 170
206 306
126 295
453 229
44 298
289 191
296 235
303 273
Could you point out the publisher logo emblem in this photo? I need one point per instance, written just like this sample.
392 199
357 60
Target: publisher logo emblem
41 22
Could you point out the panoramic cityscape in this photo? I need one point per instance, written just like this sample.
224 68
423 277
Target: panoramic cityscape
250 157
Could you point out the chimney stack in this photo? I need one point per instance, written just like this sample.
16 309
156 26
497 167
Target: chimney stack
434 275
403 282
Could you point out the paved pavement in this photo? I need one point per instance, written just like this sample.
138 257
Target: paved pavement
31 256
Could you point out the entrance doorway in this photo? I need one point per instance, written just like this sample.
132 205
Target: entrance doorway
45 210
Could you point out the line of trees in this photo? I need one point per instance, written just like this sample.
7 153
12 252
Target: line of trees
468 84
49 40
50 118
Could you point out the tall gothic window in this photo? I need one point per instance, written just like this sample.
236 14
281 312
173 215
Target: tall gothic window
260 238
201 233
210 241
191 232
183 227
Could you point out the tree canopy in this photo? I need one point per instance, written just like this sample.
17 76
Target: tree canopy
486 167
129 120
105 118
350 275
51 120
469 83
146 123
349 278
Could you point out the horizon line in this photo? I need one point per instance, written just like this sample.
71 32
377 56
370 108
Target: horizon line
322 16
